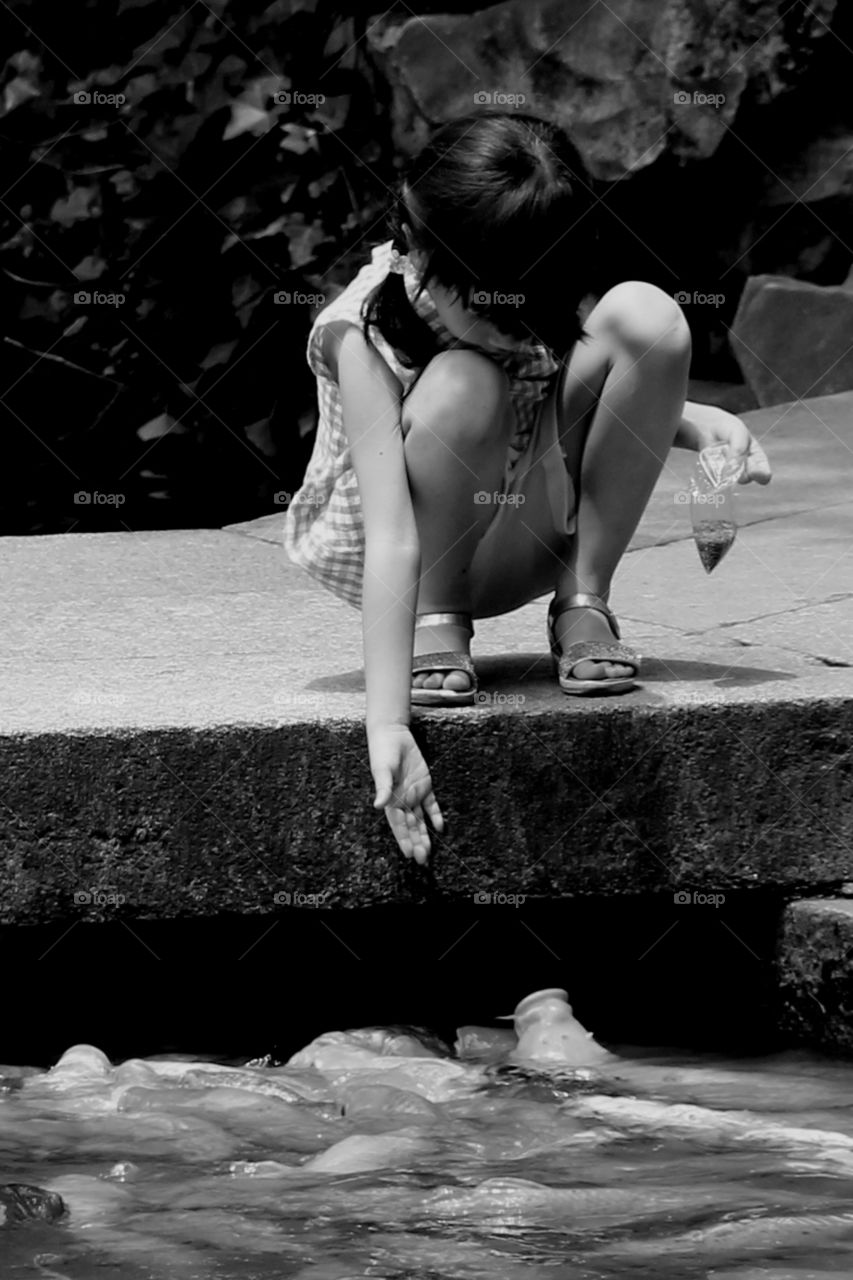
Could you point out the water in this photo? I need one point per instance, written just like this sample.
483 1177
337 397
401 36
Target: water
713 540
357 1162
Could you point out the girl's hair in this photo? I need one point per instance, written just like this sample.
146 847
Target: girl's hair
500 205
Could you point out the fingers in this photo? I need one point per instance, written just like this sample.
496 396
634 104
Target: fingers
400 830
433 812
384 788
743 446
738 438
409 830
757 464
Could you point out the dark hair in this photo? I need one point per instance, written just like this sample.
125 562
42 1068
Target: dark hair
499 203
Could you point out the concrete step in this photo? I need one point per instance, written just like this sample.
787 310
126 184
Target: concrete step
182 720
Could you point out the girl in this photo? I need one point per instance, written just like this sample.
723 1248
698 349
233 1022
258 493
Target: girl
478 445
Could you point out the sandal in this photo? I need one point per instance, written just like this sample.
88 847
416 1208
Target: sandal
594 650
446 661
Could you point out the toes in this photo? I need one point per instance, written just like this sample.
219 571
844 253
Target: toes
458 681
590 671
601 670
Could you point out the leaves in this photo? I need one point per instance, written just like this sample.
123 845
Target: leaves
258 433
160 426
246 118
91 268
81 202
190 182
17 91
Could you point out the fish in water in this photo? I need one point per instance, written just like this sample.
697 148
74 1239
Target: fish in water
362 1151
766 1235
824 1148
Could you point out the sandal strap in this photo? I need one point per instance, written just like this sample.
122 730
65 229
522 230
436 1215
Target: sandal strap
582 600
596 651
446 661
462 620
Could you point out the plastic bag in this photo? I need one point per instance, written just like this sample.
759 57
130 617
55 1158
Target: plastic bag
712 504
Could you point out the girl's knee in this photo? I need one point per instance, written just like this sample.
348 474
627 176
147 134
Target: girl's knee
460 391
647 323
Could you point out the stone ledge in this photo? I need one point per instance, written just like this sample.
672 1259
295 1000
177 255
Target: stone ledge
182 720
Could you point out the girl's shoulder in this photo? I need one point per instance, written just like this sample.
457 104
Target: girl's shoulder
331 322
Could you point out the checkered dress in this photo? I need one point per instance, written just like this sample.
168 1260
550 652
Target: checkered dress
323 527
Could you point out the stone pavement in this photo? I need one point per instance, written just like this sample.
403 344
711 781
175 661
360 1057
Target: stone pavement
182 720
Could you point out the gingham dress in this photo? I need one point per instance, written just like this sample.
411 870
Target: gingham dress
323 527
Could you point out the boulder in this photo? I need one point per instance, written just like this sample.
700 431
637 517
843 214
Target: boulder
818 170
20 1201
792 339
627 80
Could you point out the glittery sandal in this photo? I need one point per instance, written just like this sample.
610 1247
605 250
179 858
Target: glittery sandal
445 661
589 650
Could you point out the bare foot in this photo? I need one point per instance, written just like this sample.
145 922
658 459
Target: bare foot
583 623
440 640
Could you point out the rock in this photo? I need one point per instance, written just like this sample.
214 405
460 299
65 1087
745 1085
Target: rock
628 80
821 169
792 339
82 1062
401 1041
815 967
549 1033
20 1201
488 1044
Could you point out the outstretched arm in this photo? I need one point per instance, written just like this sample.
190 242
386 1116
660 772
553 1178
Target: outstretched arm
370 395
371 410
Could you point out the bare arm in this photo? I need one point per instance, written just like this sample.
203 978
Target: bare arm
370 395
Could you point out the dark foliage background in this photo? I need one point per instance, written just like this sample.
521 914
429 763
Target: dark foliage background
179 391
197 200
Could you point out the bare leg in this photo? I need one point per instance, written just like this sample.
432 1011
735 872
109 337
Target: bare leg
616 455
456 423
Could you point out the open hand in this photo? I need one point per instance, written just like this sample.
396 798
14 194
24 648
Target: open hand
403 788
